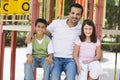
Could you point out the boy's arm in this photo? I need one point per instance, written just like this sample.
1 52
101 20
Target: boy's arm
29 48
49 59
29 53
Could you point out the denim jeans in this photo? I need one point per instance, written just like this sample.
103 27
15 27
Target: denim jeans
63 64
29 69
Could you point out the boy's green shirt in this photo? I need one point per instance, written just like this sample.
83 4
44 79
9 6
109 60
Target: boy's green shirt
40 50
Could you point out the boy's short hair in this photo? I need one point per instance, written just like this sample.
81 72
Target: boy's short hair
41 20
77 5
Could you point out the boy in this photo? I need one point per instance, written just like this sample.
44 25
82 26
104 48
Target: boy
39 52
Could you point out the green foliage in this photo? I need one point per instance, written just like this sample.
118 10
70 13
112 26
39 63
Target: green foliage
112 12
20 41
67 6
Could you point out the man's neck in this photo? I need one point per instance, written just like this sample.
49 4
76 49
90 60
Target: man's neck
71 24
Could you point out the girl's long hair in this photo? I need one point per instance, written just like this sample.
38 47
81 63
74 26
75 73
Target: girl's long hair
93 37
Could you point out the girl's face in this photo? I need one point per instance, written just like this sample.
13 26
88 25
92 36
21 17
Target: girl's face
40 28
88 30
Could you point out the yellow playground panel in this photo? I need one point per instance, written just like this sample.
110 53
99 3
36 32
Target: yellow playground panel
15 6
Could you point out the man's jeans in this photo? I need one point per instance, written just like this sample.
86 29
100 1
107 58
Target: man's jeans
29 69
63 64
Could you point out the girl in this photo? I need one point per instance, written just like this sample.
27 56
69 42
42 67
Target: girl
87 52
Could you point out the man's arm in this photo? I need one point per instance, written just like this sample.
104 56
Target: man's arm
47 32
49 59
30 36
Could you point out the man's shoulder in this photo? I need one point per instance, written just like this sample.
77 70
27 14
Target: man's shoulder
47 37
80 24
59 20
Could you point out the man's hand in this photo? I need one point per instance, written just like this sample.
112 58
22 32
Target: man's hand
29 37
49 59
29 59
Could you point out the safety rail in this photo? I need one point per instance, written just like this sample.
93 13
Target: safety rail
116 44
17 27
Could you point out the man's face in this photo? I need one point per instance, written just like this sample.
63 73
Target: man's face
75 14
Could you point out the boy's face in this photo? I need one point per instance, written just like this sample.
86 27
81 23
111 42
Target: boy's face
40 28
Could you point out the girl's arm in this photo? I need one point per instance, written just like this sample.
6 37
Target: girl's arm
97 57
98 53
75 56
76 53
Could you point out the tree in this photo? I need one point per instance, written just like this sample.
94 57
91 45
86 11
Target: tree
112 14
67 6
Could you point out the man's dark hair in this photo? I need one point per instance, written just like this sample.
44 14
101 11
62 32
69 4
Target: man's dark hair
77 5
41 20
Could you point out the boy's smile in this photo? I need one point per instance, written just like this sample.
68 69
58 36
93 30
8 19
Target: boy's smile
40 28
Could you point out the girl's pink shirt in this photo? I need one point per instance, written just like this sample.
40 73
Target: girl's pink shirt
87 49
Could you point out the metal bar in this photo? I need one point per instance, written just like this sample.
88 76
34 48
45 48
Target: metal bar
35 12
17 27
35 15
13 14
2 45
51 10
111 32
13 51
63 8
16 20
91 9
111 43
61 3
35 71
116 58
99 19
13 55
57 9
115 68
2 56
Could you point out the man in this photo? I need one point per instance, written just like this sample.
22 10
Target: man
64 33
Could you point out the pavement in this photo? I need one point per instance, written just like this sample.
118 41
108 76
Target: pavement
108 65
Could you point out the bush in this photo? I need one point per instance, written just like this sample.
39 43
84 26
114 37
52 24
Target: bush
20 41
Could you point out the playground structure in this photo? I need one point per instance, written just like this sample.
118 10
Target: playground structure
30 10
